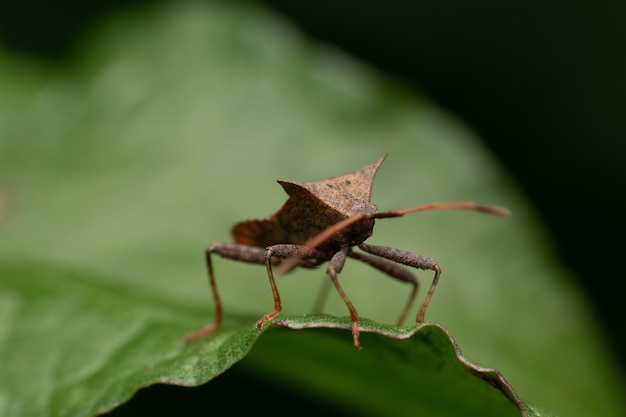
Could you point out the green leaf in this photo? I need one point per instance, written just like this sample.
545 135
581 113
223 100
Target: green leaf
89 346
117 344
170 125
426 364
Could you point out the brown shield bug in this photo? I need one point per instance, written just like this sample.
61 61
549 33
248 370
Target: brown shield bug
323 221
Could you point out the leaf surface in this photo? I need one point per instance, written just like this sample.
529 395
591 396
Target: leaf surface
115 345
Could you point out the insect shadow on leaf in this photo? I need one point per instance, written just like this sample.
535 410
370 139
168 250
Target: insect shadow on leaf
323 221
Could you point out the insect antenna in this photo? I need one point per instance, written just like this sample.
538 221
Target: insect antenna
463 205
290 263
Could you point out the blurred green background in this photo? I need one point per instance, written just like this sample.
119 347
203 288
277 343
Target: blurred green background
541 82
542 85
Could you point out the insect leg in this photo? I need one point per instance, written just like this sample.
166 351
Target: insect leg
274 254
334 267
409 259
233 251
322 296
395 271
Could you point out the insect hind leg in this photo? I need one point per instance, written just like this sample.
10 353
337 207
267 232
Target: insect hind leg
395 271
409 259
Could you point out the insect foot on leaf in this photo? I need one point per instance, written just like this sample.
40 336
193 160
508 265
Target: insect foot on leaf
324 221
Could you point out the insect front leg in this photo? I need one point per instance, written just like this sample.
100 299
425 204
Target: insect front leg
334 267
409 259
274 254
234 251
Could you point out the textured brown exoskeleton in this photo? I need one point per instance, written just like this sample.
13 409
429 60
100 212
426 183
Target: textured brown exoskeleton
322 221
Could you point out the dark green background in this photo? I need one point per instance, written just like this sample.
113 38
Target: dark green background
543 83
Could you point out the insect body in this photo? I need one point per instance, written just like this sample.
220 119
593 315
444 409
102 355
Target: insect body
323 221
